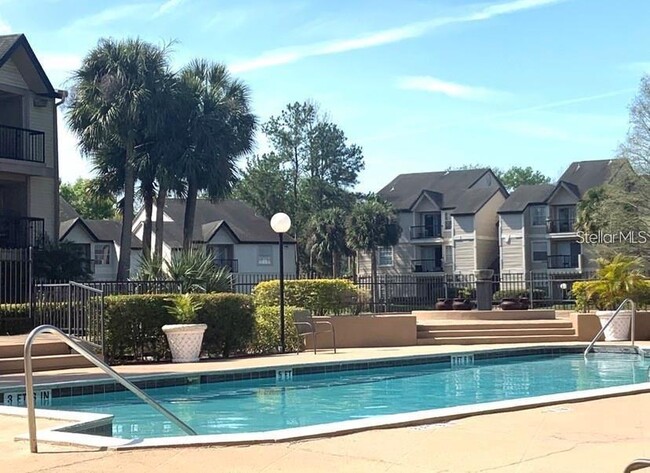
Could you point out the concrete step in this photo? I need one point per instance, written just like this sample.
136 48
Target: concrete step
497 339
495 332
40 348
474 325
43 363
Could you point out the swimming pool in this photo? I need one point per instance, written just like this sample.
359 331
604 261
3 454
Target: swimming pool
248 402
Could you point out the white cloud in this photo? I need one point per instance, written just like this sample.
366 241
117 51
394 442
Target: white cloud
168 6
110 15
450 89
4 27
392 35
59 66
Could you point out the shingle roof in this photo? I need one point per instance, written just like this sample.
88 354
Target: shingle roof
65 226
474 199
405 189
210 216
9 44
526 195
587 174
66 211
110 230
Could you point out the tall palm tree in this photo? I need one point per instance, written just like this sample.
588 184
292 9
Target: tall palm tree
117 91
219 129
327 239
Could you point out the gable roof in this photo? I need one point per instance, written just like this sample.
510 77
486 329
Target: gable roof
474 199
526 195
16 47
66 211
99 230
405 189
237 216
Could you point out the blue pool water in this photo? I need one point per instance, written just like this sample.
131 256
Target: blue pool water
266 404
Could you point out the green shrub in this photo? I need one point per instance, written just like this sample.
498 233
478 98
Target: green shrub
230 321
320 296
14 319
580 292
133 323
538 294
266 333
184 308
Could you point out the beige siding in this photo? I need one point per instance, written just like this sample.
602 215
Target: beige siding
405 220
528 223
41 203
426 205
10 75
512 255
401 262
464 256
42 119
463 225
511 223
563 197
487 232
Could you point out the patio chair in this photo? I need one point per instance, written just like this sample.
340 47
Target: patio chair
307 325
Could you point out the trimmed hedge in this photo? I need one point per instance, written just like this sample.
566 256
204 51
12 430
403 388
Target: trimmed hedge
266 334
14 319
133 324
320 296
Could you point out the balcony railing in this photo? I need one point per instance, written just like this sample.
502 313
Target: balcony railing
22 144
562 261
21 232
426 266
563 225
231 264
426 231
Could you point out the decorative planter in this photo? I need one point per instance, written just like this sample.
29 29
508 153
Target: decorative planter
444 304
185 341
461 304
524 303
508 303
619 329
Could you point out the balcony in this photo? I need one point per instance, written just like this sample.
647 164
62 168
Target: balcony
426 266
563 225
22 144
231 264
563 261
21 232
419 232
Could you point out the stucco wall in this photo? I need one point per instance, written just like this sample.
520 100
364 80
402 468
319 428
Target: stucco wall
370 331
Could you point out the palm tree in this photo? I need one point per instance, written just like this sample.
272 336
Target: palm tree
117 92
327 239
219 129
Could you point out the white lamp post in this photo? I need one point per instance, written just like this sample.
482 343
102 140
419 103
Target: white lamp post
281 223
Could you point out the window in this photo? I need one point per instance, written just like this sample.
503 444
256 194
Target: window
264 255
103 253
449 254
538 214
386 256
539 251
447 220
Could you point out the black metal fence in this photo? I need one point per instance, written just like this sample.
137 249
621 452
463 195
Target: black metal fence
22 144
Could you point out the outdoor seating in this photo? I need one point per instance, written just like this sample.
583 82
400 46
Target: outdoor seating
306 325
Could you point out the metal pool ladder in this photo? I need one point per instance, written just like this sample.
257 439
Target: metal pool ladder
632 331
29 381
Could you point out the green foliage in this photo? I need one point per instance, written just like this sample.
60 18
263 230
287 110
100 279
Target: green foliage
320 296
61 261
196 271
579 294
373 223
133 324
326 242
266 333
14 319
616 280
84 197
184 308
518 176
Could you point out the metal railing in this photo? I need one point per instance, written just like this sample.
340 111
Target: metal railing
21 232
231 264
611 319
561 225
22 144
29 382
426 231
562 261
426 266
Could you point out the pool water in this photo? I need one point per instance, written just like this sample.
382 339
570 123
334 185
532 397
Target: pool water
267 404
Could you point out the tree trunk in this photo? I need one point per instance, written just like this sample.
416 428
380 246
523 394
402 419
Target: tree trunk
160 205
190 211
147 197
124 263
296 173
335 264
373 280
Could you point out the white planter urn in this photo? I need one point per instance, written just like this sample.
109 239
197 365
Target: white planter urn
185 341
619 329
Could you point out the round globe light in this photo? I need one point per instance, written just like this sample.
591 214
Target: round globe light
280 222
563 286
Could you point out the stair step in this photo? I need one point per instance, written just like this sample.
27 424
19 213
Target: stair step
496 332
494 325
15 350
500 339
44 363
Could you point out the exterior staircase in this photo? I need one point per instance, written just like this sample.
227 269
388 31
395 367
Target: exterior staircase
47 354
475 332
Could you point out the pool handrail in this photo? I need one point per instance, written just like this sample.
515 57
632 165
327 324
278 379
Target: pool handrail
29 381
638 464
616 312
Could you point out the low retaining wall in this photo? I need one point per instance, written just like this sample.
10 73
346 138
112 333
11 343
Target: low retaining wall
369 331
531 314
588 325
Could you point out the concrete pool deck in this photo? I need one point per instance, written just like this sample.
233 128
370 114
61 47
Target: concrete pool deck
602 435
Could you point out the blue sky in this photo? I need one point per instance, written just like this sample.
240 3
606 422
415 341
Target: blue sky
419 85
